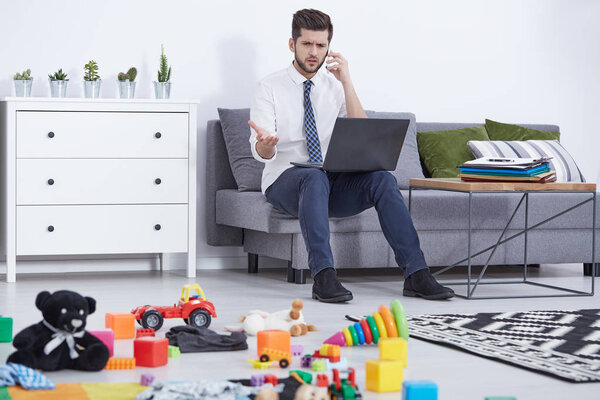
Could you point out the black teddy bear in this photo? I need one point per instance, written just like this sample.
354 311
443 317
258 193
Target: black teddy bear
60 341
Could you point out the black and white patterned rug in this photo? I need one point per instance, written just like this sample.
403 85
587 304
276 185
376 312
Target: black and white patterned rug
564 344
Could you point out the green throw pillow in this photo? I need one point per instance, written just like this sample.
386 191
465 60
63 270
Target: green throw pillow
500 131
443 151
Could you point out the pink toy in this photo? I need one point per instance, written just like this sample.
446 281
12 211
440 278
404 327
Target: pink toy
147 379
297 349
107 336
337 339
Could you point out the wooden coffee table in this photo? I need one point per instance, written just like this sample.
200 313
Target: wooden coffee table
525 188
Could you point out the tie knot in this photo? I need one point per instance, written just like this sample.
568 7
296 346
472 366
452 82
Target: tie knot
307 85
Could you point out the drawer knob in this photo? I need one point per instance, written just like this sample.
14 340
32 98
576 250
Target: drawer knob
157 181
50 135
50 181
157 135
50 228
157 227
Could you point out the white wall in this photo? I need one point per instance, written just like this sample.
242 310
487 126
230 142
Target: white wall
535 61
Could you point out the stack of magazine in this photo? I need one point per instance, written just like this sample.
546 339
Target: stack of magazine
487 169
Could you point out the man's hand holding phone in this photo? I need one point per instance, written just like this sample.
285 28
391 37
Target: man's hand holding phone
265 145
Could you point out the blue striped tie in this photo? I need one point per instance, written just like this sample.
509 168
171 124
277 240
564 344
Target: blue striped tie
310 127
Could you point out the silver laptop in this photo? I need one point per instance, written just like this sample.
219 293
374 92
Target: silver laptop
362 145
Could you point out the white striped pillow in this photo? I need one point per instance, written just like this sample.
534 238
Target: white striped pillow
561 162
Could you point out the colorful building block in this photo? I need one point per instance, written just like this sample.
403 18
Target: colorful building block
419 390
306 361
322 380
151 351
393 349
120 363
319 365
147 379
272 379
297 349
144 332
123 324
341 365
174 352
384 375
6 328
107 336
257 380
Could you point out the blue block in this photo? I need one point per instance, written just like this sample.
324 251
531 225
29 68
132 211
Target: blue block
419 390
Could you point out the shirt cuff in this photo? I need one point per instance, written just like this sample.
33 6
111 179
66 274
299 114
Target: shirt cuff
258 156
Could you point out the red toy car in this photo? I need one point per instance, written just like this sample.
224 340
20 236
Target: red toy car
195 310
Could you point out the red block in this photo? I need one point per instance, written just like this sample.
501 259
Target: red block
272 379
144 332
151 351
322 380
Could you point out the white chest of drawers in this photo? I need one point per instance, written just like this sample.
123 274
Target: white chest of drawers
103 176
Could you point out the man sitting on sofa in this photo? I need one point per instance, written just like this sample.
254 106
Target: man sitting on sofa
292 117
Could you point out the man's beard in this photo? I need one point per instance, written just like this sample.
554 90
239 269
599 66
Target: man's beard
305 67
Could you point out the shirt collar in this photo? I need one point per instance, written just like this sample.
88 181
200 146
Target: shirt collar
299 79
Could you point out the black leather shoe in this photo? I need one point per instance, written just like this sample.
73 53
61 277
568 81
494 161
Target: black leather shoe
328 289
423 284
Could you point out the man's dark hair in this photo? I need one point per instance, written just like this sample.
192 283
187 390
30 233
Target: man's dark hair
313 20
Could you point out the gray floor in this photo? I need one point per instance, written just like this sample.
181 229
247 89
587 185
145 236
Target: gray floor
458 374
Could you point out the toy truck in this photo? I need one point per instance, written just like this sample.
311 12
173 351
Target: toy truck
274 345
344 389
193 308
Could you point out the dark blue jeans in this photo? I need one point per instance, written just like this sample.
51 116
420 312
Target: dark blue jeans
313 195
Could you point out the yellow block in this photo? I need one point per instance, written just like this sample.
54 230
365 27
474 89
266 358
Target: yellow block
393 349
113 391
384 375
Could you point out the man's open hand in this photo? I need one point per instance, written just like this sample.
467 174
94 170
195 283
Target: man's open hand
266 142
338 66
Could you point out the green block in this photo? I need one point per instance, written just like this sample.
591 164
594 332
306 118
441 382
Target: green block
319 365
4 394
174 352
6 324
305 376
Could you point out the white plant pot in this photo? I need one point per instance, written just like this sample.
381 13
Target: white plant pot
162 90
58 88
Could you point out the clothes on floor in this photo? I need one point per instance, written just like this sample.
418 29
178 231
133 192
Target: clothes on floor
13 374
200 390
191 339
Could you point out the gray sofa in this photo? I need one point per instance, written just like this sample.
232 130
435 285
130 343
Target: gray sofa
244 218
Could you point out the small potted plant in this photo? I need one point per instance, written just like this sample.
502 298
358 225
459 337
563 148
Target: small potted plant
127 83
162 88
91 80
23 83
58 84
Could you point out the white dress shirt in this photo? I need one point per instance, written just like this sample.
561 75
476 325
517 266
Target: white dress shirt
278 107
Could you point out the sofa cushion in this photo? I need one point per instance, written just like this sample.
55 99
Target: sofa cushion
250 210
443 151
246 170
561 161
500 131
409 165
432 210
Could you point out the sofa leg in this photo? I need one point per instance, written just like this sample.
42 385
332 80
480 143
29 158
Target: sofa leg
252 263
589 267
295 275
